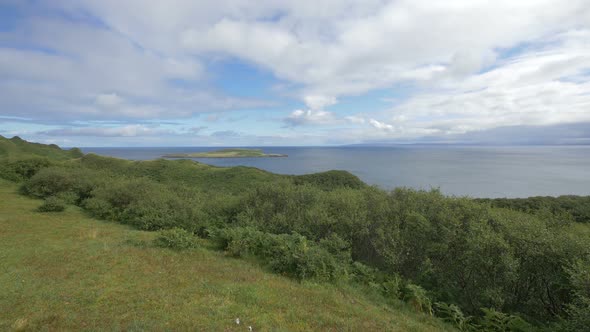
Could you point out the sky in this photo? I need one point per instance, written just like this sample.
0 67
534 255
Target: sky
292 73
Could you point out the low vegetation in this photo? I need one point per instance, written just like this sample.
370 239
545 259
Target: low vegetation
469 262
574 207
65 271
176 238
52 204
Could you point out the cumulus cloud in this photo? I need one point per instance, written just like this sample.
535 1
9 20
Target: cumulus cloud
387 41
66 70
316 102
381 125
304 117
543 87
472 65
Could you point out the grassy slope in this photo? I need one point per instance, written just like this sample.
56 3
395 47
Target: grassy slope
17 148
186 172
67 271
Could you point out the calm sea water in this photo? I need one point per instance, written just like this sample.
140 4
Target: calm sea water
456 170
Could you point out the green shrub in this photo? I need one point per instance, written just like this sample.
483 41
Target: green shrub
495 321
75 153
68 197
331 180
453 314
176 238
578 318
362 273
59 180
392 288
52 204
22 169
295 256
337 247
288 254
49 182
578 311
417 298
144 204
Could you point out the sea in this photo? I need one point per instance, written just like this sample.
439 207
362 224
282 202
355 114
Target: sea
475 171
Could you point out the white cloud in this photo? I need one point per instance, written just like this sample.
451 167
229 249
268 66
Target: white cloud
381 125
315 102
544 87
78 70
388 42
125 62
302 117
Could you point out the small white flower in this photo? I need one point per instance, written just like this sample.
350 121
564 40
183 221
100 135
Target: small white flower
238 321
250 328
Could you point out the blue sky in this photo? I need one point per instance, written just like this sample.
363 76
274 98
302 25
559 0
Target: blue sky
237 72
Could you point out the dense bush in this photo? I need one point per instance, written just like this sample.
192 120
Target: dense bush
60 180
393 287
579 309
144 204
454 315
417 297
49 182
175 238
494 321
52 204
286 254
22 169
331 180
578 207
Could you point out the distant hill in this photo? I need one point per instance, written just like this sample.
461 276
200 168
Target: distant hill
16 147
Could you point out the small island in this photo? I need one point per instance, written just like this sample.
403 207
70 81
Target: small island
226 153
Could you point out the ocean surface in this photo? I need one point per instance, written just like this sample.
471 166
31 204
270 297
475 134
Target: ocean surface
457 170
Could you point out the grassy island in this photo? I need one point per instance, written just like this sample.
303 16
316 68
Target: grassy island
226 153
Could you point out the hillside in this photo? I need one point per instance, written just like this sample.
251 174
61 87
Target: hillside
65 271
17 148
352 250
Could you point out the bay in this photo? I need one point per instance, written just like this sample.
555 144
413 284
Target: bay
477 171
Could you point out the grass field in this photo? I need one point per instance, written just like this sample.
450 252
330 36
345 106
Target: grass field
65 271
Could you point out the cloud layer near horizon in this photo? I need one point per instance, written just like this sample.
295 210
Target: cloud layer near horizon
290 72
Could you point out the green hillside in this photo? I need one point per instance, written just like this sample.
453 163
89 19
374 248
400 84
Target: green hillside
65 271
18 148
355 257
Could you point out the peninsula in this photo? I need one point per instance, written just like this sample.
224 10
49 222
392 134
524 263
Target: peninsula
226 153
